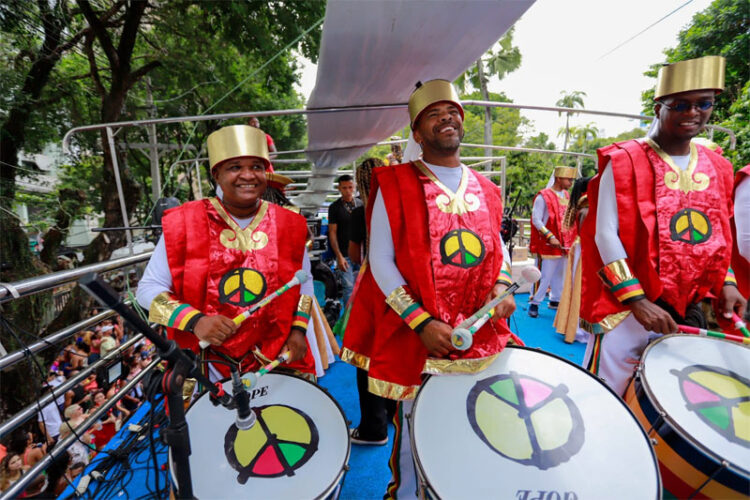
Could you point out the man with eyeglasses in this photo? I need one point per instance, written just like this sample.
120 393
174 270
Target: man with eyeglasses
657 240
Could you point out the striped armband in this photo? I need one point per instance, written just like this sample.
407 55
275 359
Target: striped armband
302 315
730 278
408 309
505 277
621 282
546 233
168 311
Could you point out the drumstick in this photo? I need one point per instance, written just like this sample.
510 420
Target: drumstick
710 333
461 337
299 277
250 379
740 325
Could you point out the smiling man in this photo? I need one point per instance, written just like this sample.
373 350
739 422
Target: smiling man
219 256
657 239
435 257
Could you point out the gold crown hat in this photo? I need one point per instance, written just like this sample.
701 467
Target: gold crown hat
277 180
703 73
237 141
566 172
429 93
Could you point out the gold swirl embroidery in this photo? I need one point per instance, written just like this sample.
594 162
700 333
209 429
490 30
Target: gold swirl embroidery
457 203
247 239
682 180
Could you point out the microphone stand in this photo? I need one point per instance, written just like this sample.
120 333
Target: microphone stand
180 366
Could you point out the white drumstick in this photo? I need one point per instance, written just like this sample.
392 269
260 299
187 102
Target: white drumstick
461 337
299 277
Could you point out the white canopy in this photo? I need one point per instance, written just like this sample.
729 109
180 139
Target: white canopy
373 53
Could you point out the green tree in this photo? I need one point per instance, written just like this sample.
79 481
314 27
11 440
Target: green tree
497 62
572 99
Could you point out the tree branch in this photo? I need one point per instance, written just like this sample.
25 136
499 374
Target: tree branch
101 33
140 72
133 16
89 48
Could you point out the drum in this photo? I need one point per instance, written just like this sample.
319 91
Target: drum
693 396
530 426
298 448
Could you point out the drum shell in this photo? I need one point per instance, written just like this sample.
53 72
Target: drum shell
685 465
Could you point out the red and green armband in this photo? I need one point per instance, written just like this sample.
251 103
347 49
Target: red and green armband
168 311
408 309
302 314
505 277
621 282
730 279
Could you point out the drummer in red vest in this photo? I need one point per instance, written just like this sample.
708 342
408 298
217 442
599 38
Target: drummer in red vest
219 256
741 222
657 240
436 256
549 239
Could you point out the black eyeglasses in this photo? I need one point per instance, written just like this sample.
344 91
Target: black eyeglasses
683 106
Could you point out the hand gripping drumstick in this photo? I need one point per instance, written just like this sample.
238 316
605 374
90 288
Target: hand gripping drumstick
299 277
740 325
250 379
710 333
462 335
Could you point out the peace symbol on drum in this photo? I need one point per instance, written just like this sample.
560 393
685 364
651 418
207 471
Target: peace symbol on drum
525 419
720 398
242 287
282 440
690 226
461 248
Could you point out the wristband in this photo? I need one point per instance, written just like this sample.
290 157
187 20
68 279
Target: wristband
730 278
546 233
505 277
621 282
168 311
302 315
408 309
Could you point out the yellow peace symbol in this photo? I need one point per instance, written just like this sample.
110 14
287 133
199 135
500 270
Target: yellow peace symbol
461 248
690 226
242 287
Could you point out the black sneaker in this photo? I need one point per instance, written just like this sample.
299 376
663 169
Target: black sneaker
357 439
553 304
533 310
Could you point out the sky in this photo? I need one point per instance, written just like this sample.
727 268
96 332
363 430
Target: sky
563 45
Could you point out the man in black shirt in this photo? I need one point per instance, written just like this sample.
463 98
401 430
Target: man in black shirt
339 219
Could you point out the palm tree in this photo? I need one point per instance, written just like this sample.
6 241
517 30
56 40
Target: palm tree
499 63
572 99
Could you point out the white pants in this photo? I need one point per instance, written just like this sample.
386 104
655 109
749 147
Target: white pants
553 274
620 352
403 484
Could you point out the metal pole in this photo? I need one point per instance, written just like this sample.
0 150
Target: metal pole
503 168
198 180
120 193
153 147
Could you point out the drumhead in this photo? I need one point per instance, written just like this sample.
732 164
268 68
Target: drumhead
530 423
703 386
298 448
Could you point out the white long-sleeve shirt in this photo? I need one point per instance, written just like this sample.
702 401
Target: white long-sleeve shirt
742 217
158 278
607 225
539 212
381 252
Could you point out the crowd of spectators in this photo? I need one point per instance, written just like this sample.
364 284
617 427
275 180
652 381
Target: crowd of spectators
64 415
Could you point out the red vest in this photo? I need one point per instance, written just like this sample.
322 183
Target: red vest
740 266
219 268
451 280
669 259
556 210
